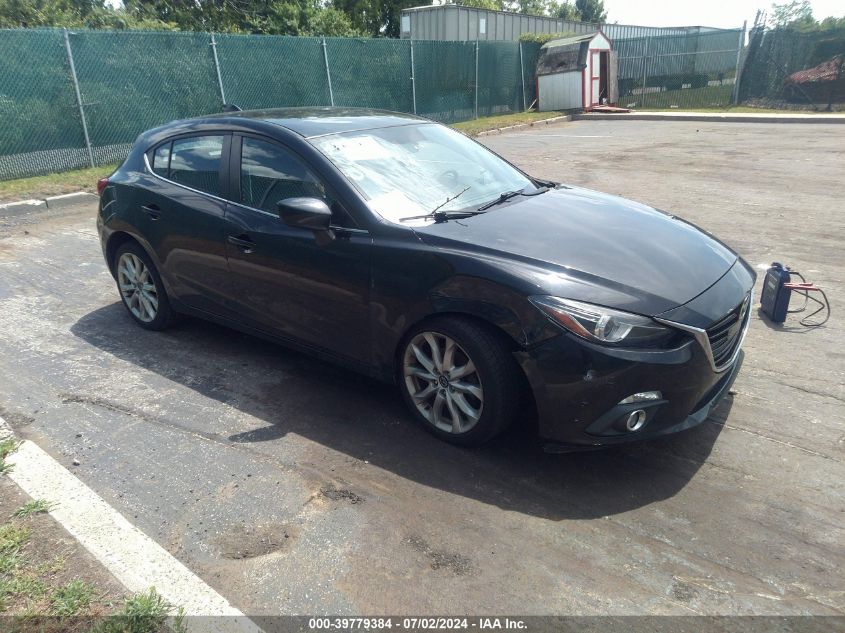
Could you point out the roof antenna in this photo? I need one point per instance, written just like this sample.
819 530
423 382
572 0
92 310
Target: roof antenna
231 107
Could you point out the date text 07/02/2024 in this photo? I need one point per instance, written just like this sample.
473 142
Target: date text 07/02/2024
417 624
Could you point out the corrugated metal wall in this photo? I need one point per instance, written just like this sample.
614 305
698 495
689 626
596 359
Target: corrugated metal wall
452 22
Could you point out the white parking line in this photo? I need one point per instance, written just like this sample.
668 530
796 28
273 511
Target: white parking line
571 135
131 556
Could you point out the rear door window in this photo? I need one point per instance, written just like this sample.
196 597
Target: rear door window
195 162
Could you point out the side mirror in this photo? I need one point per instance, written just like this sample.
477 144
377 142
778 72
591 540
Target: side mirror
306 213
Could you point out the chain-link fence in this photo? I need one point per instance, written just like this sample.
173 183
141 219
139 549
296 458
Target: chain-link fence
71 99
80 98
679 71
786 67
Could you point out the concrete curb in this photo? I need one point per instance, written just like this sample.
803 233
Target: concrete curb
520 126
712 118
69 199
21 206
52 203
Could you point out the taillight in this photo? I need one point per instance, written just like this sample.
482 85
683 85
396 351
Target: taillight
102 183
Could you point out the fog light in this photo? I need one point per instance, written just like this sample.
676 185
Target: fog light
635 420
643 396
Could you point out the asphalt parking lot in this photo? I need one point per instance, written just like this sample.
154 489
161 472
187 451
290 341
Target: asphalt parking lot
295 487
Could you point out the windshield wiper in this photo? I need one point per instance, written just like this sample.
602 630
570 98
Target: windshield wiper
438 215
507 195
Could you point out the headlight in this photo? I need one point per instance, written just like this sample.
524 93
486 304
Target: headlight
603 325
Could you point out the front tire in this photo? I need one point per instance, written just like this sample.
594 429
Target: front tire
459 380
141 289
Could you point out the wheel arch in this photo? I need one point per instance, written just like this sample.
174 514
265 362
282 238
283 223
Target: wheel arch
496 329
524 391
115 241
119 238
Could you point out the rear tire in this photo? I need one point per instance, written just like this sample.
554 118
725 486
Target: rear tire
459 380
141 289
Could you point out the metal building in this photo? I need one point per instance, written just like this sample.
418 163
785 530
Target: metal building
576 72
454 22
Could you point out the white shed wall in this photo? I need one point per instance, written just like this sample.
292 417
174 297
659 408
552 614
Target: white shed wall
561 91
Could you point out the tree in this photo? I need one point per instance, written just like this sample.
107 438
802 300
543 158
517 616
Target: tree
332 23
794 13
493 5
528 7
564 10
376 18
591 10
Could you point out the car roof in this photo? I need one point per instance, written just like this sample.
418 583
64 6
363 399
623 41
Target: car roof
318 121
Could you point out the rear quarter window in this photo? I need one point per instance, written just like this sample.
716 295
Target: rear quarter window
195 162
161 160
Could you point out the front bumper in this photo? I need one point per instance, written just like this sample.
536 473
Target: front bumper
579 386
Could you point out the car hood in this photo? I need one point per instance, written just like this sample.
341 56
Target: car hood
590 246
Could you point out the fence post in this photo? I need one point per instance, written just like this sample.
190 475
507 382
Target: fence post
328 72
78 98
735 99
476 79
413 79
217 68
522 75
645 52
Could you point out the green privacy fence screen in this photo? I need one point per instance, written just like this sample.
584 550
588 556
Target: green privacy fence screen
786 67
682 71
40 128
129 81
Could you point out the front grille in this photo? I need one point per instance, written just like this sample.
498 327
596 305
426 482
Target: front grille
726 334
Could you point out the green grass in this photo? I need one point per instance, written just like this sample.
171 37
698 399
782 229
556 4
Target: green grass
141 613
53 184
26 585
689 99
483 124
36 506
7 447
71 598
12 540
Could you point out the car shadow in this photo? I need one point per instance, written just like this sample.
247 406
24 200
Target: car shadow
366 420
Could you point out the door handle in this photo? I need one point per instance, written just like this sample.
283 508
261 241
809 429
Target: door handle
244 244
151 210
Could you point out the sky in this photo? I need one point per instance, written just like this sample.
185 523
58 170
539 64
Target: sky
719 13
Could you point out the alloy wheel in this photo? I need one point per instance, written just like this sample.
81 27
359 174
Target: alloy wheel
443 382
137 287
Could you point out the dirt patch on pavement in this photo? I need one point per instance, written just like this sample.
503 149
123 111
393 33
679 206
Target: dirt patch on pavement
340 494
441 559
251 541
16 419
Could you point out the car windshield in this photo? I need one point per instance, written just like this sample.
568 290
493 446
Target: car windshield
411 170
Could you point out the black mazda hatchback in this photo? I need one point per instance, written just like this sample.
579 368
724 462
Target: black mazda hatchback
402 249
